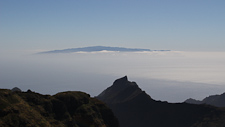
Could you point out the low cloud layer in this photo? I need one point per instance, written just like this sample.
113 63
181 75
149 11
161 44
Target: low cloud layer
172 76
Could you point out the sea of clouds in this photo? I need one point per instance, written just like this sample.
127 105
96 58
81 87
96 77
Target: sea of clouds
172 76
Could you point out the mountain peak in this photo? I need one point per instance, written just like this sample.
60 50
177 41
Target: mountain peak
121 81
134 108
122 90
124 78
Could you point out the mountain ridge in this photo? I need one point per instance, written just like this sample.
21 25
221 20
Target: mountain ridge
138 109
214 100
121 87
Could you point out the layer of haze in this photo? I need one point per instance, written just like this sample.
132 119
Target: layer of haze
170 76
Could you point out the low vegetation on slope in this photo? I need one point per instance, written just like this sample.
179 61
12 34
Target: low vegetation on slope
66 109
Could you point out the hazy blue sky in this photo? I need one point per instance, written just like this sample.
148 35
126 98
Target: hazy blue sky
156 24
191 25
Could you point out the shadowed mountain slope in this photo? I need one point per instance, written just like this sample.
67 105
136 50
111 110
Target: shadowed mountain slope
215 100
134 108
121 91
66 109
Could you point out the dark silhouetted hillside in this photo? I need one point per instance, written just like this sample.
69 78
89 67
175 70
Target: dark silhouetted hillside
134 108
215 100
66 109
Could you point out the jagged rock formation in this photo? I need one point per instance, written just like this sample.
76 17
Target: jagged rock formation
215 100
134 108
66 109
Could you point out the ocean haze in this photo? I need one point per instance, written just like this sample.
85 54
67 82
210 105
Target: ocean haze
172 76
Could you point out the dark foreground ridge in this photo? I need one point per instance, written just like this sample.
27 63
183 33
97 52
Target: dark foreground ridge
98 48
215 100
66 109
134 108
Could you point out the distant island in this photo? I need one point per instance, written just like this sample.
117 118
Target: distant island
99 48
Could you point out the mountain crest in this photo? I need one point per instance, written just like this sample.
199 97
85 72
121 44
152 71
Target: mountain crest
215 100
122 90
122 83
122 80
134 108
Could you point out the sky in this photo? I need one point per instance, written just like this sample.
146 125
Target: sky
194 31
187 25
